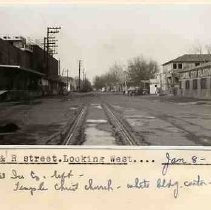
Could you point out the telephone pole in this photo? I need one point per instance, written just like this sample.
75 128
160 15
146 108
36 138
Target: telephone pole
50 45
83 74
59 66
79 76
67 80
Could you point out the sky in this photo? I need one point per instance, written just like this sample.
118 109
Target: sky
101 35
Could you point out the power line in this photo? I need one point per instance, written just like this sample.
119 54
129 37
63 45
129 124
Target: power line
50 44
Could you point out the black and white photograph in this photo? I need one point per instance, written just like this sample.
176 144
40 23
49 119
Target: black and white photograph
105 74
105 105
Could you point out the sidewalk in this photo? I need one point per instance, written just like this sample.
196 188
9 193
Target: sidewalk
178 99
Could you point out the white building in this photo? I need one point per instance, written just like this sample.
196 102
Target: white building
170 76
153 85
196 81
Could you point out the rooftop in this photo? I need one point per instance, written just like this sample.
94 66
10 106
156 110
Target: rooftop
191 58
19 68
12 38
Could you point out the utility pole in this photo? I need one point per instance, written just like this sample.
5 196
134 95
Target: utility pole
83 74
45 43
79 76
63 72
50 44
67 80
59 71
125 75
83 79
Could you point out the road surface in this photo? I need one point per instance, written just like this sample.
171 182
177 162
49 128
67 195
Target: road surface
108 119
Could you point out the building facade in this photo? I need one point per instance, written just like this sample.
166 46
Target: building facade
170 74
23 69
70 83
153 86
196 81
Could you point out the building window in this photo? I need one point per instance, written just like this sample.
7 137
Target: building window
180 66
187 84
197 64
204 83
195 84
174 66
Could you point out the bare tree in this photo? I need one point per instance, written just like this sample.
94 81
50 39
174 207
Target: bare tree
197 48
208 48
116 71
140 68
113 77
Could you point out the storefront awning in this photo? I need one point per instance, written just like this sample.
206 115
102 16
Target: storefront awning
16 68
3 91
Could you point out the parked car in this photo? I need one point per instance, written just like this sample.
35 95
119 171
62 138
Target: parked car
132 91
145 91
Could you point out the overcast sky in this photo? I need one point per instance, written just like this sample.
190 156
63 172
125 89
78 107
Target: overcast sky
101 35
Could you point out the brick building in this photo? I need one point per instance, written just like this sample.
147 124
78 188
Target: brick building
23 69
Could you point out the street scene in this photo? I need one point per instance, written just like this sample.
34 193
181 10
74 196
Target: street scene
109 119
82 77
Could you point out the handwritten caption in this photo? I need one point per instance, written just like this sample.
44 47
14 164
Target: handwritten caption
74 180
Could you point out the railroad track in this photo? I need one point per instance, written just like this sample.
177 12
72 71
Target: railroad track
121 129
75 126
123 133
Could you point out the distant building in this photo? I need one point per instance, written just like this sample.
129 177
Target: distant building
153 83
70 83
170 76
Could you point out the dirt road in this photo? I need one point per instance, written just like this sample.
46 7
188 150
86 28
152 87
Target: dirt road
108 119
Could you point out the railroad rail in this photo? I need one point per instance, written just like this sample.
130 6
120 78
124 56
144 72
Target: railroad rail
123 134
121 128
75 126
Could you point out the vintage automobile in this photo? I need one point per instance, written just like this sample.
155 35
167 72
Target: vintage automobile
133 91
